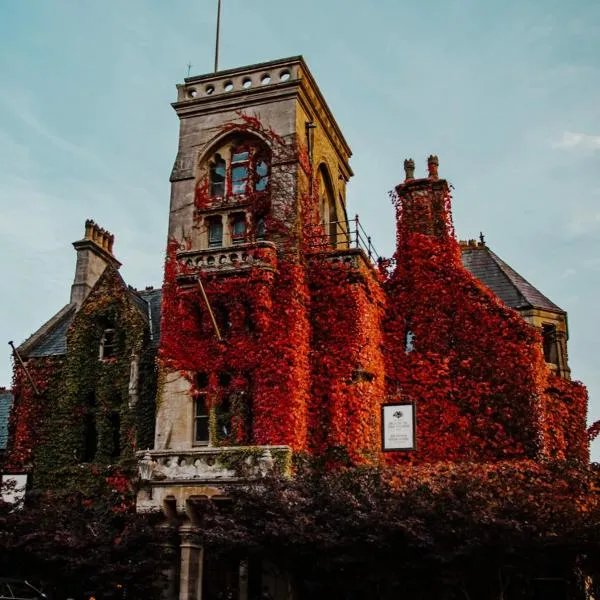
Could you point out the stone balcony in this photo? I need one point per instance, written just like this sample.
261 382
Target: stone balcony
239 257
175 476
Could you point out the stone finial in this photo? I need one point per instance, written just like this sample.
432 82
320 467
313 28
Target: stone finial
432 166
409 169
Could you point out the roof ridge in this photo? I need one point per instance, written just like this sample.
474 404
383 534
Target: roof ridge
52 322
523 287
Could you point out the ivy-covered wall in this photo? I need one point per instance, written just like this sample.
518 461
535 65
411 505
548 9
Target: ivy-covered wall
94 411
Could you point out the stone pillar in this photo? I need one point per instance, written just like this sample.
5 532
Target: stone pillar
243 581
191 566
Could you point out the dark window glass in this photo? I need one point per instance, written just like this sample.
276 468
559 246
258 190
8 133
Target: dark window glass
201 420
90 437
261 229
201 380
215 233
217 177
224 419
550 344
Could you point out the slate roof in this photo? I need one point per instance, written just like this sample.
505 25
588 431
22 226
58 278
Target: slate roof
6 401
513 289
51 338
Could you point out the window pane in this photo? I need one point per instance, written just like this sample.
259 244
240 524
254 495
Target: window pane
215 233
262 176
239 176
201 434
201 419
238 231
239 157
261 229
201 410
217 177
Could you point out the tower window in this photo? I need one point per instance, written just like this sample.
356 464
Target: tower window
215 232
261 229
201 427
238 230
240 168
217 176
223 415
550 344
262 175
108 345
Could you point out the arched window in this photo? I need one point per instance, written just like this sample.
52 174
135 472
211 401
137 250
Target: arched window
327 207
218 169
241 165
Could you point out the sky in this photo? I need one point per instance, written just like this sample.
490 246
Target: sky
506 93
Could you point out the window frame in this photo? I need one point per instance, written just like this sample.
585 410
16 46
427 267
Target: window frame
197 397
217 222
111 345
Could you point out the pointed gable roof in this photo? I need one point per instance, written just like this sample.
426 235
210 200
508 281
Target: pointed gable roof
51 338
511 287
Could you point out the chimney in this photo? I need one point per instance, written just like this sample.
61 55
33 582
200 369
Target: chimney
94 254
423 205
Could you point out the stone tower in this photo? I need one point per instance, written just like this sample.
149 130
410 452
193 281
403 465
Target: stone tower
260 251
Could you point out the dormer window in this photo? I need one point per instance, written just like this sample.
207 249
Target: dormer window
108 345
218 169
215 232
238 230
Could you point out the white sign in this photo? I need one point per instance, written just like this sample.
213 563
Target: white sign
398 427
12 488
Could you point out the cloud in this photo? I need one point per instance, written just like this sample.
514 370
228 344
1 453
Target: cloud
577 141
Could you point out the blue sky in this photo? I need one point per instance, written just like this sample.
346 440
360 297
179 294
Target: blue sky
505 92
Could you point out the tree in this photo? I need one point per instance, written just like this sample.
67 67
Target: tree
72 544
468 531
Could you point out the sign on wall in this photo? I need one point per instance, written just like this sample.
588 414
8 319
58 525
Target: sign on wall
13 487
398 427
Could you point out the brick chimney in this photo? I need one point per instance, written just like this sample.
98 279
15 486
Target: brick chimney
423 204
94 254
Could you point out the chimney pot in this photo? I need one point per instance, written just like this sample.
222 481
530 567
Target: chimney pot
432 166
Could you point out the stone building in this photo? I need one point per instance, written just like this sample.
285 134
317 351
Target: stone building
281 332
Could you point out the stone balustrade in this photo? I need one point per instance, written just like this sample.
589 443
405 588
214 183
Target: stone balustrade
212 464
239 257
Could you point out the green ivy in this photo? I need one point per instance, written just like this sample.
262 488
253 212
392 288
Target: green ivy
94 393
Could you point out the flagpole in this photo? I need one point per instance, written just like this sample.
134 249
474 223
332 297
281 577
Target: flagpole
217 40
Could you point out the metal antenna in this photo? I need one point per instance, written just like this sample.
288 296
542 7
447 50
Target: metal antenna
189 68
217 40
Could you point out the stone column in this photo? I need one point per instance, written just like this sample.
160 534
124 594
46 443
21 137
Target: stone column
243 580
191 566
